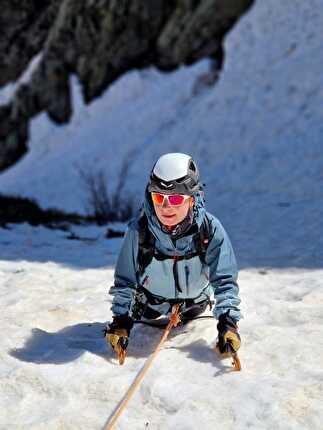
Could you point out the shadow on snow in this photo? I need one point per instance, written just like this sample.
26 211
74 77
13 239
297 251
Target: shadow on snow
70 343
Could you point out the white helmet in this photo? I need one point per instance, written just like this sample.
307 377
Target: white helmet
175 173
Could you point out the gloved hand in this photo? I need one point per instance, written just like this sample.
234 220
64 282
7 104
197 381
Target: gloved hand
118 332
229 340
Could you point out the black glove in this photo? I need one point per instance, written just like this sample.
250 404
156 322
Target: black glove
229 340
118 332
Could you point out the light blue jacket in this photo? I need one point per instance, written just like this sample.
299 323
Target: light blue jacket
197 280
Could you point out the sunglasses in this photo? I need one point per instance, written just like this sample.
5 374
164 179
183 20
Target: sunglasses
173 199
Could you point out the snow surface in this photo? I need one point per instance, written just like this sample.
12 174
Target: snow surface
56 371
258 139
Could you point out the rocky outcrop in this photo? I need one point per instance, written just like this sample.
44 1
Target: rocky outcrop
24 27
99 40
16 210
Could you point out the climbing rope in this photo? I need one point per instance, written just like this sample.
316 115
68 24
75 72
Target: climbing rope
174 320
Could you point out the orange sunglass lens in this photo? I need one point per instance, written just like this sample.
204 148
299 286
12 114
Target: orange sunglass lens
158 199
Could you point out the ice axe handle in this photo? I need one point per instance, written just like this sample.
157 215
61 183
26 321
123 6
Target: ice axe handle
122 353
236 361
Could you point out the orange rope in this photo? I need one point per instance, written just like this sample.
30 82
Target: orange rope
174 320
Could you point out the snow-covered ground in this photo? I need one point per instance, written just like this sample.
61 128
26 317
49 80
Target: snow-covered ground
258 139
57 373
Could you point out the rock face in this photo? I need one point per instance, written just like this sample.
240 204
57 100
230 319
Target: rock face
97 40
24 27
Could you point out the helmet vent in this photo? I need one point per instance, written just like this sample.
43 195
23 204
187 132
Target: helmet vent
192 166
182 179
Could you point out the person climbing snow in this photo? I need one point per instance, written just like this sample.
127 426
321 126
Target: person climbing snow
175 252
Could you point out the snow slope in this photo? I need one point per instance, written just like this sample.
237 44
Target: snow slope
56 371
257 135
258 138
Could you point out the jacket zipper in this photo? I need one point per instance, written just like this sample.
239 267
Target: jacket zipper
175 273
187 273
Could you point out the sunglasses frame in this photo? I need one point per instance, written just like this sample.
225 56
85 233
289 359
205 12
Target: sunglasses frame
186 197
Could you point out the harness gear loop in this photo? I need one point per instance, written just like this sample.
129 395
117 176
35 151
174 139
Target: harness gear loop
174 320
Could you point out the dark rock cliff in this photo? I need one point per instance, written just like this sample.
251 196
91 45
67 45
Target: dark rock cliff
97 40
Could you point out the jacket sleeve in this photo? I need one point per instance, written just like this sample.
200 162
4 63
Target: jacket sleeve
223 273
125 278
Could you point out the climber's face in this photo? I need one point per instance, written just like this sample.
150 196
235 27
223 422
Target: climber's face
171 209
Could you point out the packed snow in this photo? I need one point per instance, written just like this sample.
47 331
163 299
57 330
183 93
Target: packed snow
57 372
258 138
